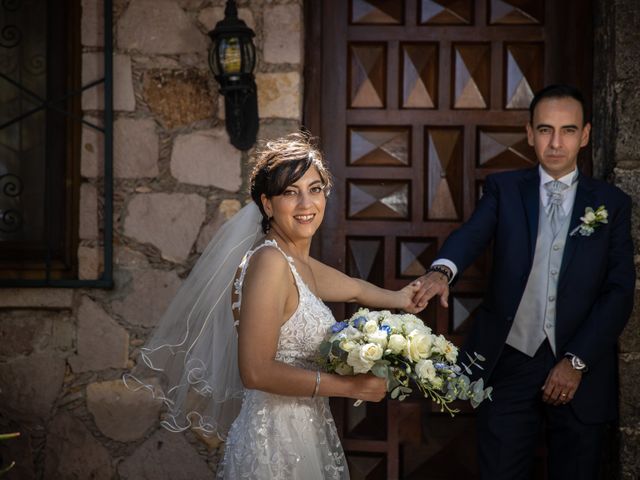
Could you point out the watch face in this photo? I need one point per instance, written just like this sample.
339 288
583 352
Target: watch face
577 363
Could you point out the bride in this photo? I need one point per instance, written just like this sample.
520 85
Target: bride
259 380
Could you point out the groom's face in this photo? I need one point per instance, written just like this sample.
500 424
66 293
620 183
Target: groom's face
557 134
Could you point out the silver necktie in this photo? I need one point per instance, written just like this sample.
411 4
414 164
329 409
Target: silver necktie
555 191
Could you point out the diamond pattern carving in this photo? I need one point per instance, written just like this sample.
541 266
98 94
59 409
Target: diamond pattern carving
365 258
414 256
365 467
384 199
367 67
379 146
471 75
504 148
462 311
365 12
444 173
516 12
419 75
524 72
446 12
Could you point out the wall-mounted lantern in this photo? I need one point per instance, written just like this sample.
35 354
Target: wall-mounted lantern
232 59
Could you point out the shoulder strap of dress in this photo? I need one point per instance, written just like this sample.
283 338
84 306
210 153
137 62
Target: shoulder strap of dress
243 270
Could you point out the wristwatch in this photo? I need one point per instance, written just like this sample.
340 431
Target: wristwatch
576 362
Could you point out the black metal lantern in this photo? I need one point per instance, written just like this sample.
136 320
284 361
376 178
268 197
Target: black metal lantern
232 58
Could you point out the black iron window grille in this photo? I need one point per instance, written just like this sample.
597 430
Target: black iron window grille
41 123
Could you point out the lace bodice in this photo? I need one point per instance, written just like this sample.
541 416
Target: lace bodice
278 437
302 333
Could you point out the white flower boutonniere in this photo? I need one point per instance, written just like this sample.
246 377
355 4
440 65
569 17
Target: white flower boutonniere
590 221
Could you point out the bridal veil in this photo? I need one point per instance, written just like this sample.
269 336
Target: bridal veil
191 359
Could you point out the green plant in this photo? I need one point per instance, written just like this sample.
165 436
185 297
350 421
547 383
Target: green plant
8 436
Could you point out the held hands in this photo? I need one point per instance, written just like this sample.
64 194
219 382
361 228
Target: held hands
432 284
368 387
407 295
561 384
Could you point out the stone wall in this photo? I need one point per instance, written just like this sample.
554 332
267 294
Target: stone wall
617 50
177 178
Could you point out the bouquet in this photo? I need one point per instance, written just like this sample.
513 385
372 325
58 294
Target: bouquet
400 348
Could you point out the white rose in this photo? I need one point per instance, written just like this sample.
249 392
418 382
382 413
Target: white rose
379 337
418 346
452 353
412 323
397 343
370 327
344 369
371 352
440 344
603 214
425 370
589 217
347 345
357 360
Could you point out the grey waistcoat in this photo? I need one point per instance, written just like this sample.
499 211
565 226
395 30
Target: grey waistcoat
535 319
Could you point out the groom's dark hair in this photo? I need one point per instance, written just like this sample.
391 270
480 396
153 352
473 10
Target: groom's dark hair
559 91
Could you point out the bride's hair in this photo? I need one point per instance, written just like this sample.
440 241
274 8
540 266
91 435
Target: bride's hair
282 162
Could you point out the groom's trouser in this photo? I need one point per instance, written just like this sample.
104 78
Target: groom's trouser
509 426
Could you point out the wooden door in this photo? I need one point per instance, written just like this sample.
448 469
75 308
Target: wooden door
415 102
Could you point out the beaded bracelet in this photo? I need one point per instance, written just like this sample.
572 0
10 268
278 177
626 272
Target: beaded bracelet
441 269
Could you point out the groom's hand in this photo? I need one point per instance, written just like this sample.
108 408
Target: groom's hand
432 284
561 384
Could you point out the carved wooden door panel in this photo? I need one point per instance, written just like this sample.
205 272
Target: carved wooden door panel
420 100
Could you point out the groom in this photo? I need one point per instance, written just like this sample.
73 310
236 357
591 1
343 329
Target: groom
558 298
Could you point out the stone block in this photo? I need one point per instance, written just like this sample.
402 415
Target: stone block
207 158
170 221
279 95
126 257
55 298
630 338
148 295
164 456
282 33
629 373
227 209
89 263
277 128
92 23
123 97
158 27
102 343
73 453
30 385
23 332
629 456
135 148
92 150
88 228
211 15
120 413
92 70
179 97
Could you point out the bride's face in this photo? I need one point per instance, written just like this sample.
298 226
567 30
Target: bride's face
298 211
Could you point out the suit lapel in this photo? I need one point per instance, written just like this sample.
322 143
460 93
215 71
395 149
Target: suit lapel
584 198
530 194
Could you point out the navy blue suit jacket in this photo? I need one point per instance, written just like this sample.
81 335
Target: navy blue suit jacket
596 284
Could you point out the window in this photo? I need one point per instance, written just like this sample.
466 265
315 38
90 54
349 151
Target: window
41 121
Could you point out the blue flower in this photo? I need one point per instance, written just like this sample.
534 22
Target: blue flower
359 321
386 328
440 366
338 326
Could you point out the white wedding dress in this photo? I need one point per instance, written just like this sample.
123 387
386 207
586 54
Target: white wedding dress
282 437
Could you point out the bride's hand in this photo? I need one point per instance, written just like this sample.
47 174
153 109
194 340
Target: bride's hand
368 387
407 295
